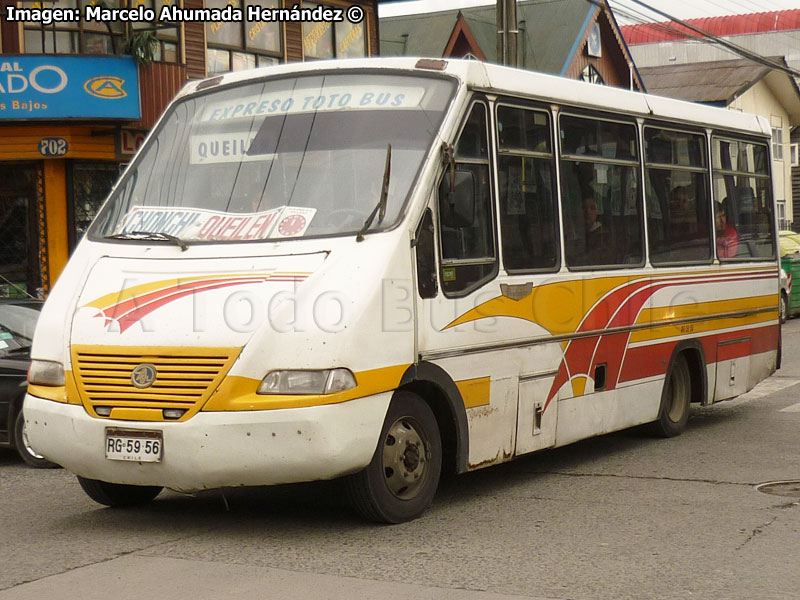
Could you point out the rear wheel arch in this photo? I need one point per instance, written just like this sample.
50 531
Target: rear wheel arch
685 383
696 359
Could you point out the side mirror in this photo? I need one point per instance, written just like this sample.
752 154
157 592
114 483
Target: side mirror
457 208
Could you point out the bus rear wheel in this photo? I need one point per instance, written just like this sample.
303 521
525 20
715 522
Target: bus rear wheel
673 413
118 494
401 480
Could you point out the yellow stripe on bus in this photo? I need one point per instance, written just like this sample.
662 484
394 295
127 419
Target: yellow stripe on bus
679 329
560 307
703 309
239 393
475 392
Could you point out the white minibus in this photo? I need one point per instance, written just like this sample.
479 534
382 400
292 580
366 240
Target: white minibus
383 269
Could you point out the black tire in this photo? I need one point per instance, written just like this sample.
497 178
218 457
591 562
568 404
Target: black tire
400 482
23 446
784 308
118 494
673 413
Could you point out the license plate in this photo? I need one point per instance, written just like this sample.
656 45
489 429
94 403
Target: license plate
134 445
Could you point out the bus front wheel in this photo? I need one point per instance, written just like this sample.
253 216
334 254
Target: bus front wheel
401 480
118 494
673 413
24 448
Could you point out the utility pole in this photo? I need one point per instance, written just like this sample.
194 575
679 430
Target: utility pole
507 32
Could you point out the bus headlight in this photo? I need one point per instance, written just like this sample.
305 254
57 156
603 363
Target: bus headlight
46 372
326 381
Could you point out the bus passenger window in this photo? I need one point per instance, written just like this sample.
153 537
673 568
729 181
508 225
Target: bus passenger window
528 223
677 193
600 191
467 245
742 192
727 236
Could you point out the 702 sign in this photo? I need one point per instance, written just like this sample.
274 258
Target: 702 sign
53 146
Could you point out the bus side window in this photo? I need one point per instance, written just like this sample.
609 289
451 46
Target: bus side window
600 189
467 242
677 192
528 217
743 193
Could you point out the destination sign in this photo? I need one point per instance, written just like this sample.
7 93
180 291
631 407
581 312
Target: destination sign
333 98
192 224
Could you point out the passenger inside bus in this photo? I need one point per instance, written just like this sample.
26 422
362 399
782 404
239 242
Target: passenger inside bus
727 237
596 236
679 206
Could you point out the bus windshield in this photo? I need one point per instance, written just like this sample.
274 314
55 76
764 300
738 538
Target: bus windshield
282 158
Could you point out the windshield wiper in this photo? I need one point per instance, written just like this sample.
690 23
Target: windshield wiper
20 350
380 208
150 236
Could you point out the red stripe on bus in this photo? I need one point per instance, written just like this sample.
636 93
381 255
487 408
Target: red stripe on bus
652 360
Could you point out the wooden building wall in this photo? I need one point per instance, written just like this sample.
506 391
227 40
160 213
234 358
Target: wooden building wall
158 84
194 44
9 32
612 65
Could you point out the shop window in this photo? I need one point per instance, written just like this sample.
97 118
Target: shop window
20 272
102 37
89 185
236 46
326 39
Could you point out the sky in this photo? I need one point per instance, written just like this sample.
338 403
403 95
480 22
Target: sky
625 11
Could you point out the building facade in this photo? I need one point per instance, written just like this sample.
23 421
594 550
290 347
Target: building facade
570 38
63 146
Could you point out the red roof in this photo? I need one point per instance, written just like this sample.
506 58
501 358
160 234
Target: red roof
651 33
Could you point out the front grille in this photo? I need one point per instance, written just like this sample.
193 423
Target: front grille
185 379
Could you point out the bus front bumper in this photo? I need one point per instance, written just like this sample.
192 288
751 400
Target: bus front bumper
217 449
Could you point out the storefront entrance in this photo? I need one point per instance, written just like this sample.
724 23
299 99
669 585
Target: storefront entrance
21 250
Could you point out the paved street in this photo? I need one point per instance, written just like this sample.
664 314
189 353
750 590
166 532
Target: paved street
622 516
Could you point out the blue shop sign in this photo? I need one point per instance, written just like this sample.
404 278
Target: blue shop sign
72 87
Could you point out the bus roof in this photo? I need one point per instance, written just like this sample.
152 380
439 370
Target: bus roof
523 83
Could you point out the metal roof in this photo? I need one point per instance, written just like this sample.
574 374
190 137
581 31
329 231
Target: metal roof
719 82
652 33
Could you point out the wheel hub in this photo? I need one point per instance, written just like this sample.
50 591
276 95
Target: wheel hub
404 459
411 458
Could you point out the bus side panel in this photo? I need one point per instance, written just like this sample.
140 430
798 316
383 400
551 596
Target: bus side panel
581 417
490 400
